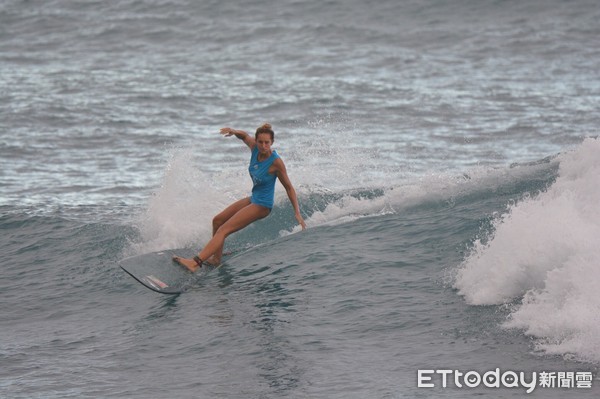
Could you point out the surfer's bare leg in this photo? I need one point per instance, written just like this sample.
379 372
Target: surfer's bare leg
242 218
220 219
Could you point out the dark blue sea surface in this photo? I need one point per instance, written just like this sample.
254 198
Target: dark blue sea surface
446 160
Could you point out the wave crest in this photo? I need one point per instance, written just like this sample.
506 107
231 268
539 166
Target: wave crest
544 251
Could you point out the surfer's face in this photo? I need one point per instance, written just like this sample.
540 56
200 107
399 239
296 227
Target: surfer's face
264 142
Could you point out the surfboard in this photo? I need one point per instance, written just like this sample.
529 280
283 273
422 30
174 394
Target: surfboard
158 272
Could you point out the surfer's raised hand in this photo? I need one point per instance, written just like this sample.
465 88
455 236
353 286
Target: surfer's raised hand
240 134
227 131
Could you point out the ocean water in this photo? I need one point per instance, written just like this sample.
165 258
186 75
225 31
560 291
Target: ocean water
447 163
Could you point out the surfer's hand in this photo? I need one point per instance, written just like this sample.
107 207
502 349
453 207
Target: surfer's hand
301 221
227 131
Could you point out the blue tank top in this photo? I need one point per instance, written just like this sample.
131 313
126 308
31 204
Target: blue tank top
263 189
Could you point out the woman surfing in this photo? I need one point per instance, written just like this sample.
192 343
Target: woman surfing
266 166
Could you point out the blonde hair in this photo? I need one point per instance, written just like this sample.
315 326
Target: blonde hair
265 128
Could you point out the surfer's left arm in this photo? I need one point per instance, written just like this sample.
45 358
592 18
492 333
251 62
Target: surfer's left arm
289 188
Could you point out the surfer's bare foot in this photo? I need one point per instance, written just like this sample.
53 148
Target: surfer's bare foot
190 264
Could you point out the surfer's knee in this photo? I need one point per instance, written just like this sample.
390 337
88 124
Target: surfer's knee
223 231
217 222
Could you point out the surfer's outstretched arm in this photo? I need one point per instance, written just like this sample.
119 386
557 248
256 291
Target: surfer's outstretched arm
240 134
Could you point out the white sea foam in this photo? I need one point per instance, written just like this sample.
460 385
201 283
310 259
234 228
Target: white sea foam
545 250
180 212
